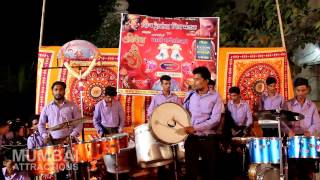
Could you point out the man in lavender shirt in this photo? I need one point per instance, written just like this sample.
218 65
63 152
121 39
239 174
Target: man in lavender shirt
310 125
57 112
108 117
203 141
164 96
35 140
240 112
271 100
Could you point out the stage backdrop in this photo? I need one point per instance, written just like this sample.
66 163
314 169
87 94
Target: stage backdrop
237 66
154 46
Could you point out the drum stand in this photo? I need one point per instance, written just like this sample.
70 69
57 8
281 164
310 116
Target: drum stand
175 159
70 146
116 165
282 175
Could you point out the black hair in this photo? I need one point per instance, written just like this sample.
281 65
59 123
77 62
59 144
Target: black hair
212 82
203 71
300 82
63 84
234 90
111 91
270 80
165 77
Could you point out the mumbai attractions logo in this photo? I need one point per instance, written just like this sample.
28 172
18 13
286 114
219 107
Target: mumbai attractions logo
46 160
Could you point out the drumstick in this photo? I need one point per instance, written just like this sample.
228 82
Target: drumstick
178 122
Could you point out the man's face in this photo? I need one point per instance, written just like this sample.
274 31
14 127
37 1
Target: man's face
4 129
235 96
165 85
211 88
271 88
108 99
35 124
199 82
58 92
302 91
206 25
10 165
134 22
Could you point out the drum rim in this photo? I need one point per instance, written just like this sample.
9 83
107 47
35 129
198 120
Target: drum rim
118 135
152 131
56 145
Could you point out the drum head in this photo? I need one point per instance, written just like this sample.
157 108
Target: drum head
168 121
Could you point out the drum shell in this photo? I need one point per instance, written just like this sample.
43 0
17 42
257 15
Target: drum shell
86 151
293 144
303 147
258 150
127 160
150 152
274 150
48 159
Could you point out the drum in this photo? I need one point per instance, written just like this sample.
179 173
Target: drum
168 121
48 159
126 159
263 172
86 151
303 147
274 150
150 152
122 139
258 150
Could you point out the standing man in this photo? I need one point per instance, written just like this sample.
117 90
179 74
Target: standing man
271 100
108 117
310 125
164 96
57 112
203 141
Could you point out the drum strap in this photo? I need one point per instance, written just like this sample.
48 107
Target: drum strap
187 101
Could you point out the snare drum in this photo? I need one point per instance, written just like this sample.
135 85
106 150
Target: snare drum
303 147
87 151
258 150
122 139
48 159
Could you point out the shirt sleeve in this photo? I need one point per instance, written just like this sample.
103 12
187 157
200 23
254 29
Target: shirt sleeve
151 106
97 119
315 126
249 115
214 118
42 123
121 116
78 128
30 143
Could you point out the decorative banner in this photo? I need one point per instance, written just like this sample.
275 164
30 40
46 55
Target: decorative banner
248 69
152 46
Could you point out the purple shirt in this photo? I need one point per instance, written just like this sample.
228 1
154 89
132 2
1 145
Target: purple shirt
205 112
105 116
240 113
54 115
271 102
311 121
35 140
160 99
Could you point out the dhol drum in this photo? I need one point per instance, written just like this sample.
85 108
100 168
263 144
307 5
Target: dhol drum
150 152
87 151
303 147
263 172
168 121
126 160
48 159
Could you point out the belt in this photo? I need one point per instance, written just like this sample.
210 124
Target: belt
206 137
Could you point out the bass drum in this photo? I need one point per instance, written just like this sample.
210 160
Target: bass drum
263 172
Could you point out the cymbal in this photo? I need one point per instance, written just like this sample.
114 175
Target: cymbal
284 115
71 122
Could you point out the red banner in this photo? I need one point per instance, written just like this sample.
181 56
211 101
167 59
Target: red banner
152 46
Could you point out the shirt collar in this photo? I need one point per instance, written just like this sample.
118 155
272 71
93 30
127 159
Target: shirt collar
5 173
170 93
241 102
105 104
64 102
295 101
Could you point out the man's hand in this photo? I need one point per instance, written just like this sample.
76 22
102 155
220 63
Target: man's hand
100 134
46 140
291 133
189 130
307 133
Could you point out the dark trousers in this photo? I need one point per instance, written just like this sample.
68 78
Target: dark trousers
301 169
110 130
206 147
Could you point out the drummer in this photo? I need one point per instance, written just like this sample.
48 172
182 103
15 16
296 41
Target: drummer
108 117
310 125
164 96
35 140
202 142
57 112
271 99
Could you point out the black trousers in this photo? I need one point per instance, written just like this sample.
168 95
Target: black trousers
302 169
109 130
206 147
